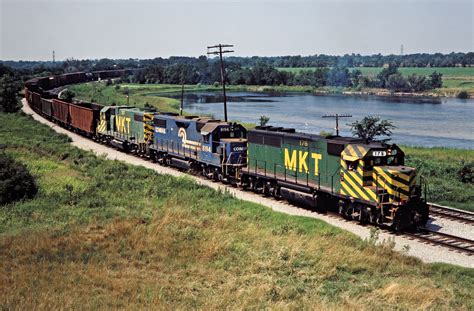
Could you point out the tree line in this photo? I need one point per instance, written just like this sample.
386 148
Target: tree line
321 60
264 74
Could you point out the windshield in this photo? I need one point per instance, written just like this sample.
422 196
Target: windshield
388 160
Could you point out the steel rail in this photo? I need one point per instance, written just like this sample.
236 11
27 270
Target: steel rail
443 239
451 213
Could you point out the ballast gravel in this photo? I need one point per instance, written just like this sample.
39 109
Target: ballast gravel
425 252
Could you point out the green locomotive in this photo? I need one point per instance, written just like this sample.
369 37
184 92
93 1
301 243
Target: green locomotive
365 182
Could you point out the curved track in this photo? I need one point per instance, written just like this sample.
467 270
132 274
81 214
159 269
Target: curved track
446 240
450 213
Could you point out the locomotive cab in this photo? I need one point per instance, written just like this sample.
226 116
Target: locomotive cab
228 140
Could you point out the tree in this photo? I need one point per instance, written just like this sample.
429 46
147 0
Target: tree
418 83
355 77
371 127
338 76
384 75
16 182
264 120
67 95
8 94
396 82
436 80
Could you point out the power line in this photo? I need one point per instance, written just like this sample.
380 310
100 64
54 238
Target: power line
337 117
218 51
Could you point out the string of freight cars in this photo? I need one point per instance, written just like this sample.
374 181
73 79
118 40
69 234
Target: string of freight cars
364 182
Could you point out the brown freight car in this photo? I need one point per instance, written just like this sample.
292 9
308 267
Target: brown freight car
46 106
28 95
36 102
60 111
84 117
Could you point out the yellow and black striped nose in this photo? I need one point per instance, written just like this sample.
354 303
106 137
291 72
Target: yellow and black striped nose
148 129
398 181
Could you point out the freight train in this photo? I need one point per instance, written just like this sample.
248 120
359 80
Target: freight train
367 182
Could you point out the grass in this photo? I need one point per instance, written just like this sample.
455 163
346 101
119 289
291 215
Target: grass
105 235
441 166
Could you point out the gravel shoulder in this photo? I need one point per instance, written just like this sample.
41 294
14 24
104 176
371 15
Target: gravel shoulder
425 252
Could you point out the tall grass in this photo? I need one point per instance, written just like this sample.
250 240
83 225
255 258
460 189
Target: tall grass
441 167
105 235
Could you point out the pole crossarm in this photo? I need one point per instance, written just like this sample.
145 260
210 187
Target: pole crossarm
219 52
337 117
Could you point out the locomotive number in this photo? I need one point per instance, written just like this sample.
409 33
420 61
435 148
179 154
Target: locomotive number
304 143
379 153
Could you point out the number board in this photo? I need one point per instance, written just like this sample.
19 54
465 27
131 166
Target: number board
379 153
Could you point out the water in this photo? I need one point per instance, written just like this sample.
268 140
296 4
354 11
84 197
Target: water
446 122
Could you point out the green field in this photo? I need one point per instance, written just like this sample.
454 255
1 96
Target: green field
101 234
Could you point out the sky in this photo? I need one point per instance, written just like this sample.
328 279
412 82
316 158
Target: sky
32 29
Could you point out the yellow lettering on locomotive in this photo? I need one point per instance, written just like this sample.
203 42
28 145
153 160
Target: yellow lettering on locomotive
290 162
302 161
316 157
123 124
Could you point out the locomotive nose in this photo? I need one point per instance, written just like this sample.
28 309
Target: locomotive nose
397 180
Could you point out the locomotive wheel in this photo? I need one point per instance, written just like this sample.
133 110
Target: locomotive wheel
252 184
343 209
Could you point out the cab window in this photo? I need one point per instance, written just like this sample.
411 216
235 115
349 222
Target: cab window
378 161
392 160
351 165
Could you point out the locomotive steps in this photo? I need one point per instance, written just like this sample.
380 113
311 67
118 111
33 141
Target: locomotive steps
427 253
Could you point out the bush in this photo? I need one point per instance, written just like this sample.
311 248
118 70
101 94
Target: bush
8 95
67 95
466 173
463 95
16 182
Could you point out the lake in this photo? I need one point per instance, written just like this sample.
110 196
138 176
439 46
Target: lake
446 122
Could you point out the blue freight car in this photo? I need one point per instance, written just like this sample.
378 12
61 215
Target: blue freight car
215 148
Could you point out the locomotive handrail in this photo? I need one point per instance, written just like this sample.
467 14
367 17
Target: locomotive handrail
295 176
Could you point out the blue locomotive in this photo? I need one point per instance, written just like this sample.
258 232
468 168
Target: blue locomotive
215 148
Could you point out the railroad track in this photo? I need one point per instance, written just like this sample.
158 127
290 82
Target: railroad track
446 240
454 214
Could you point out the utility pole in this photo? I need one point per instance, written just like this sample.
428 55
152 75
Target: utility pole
54 57
218 51
182 98
337 116
401 50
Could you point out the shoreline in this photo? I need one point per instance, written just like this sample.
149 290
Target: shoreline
324 91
